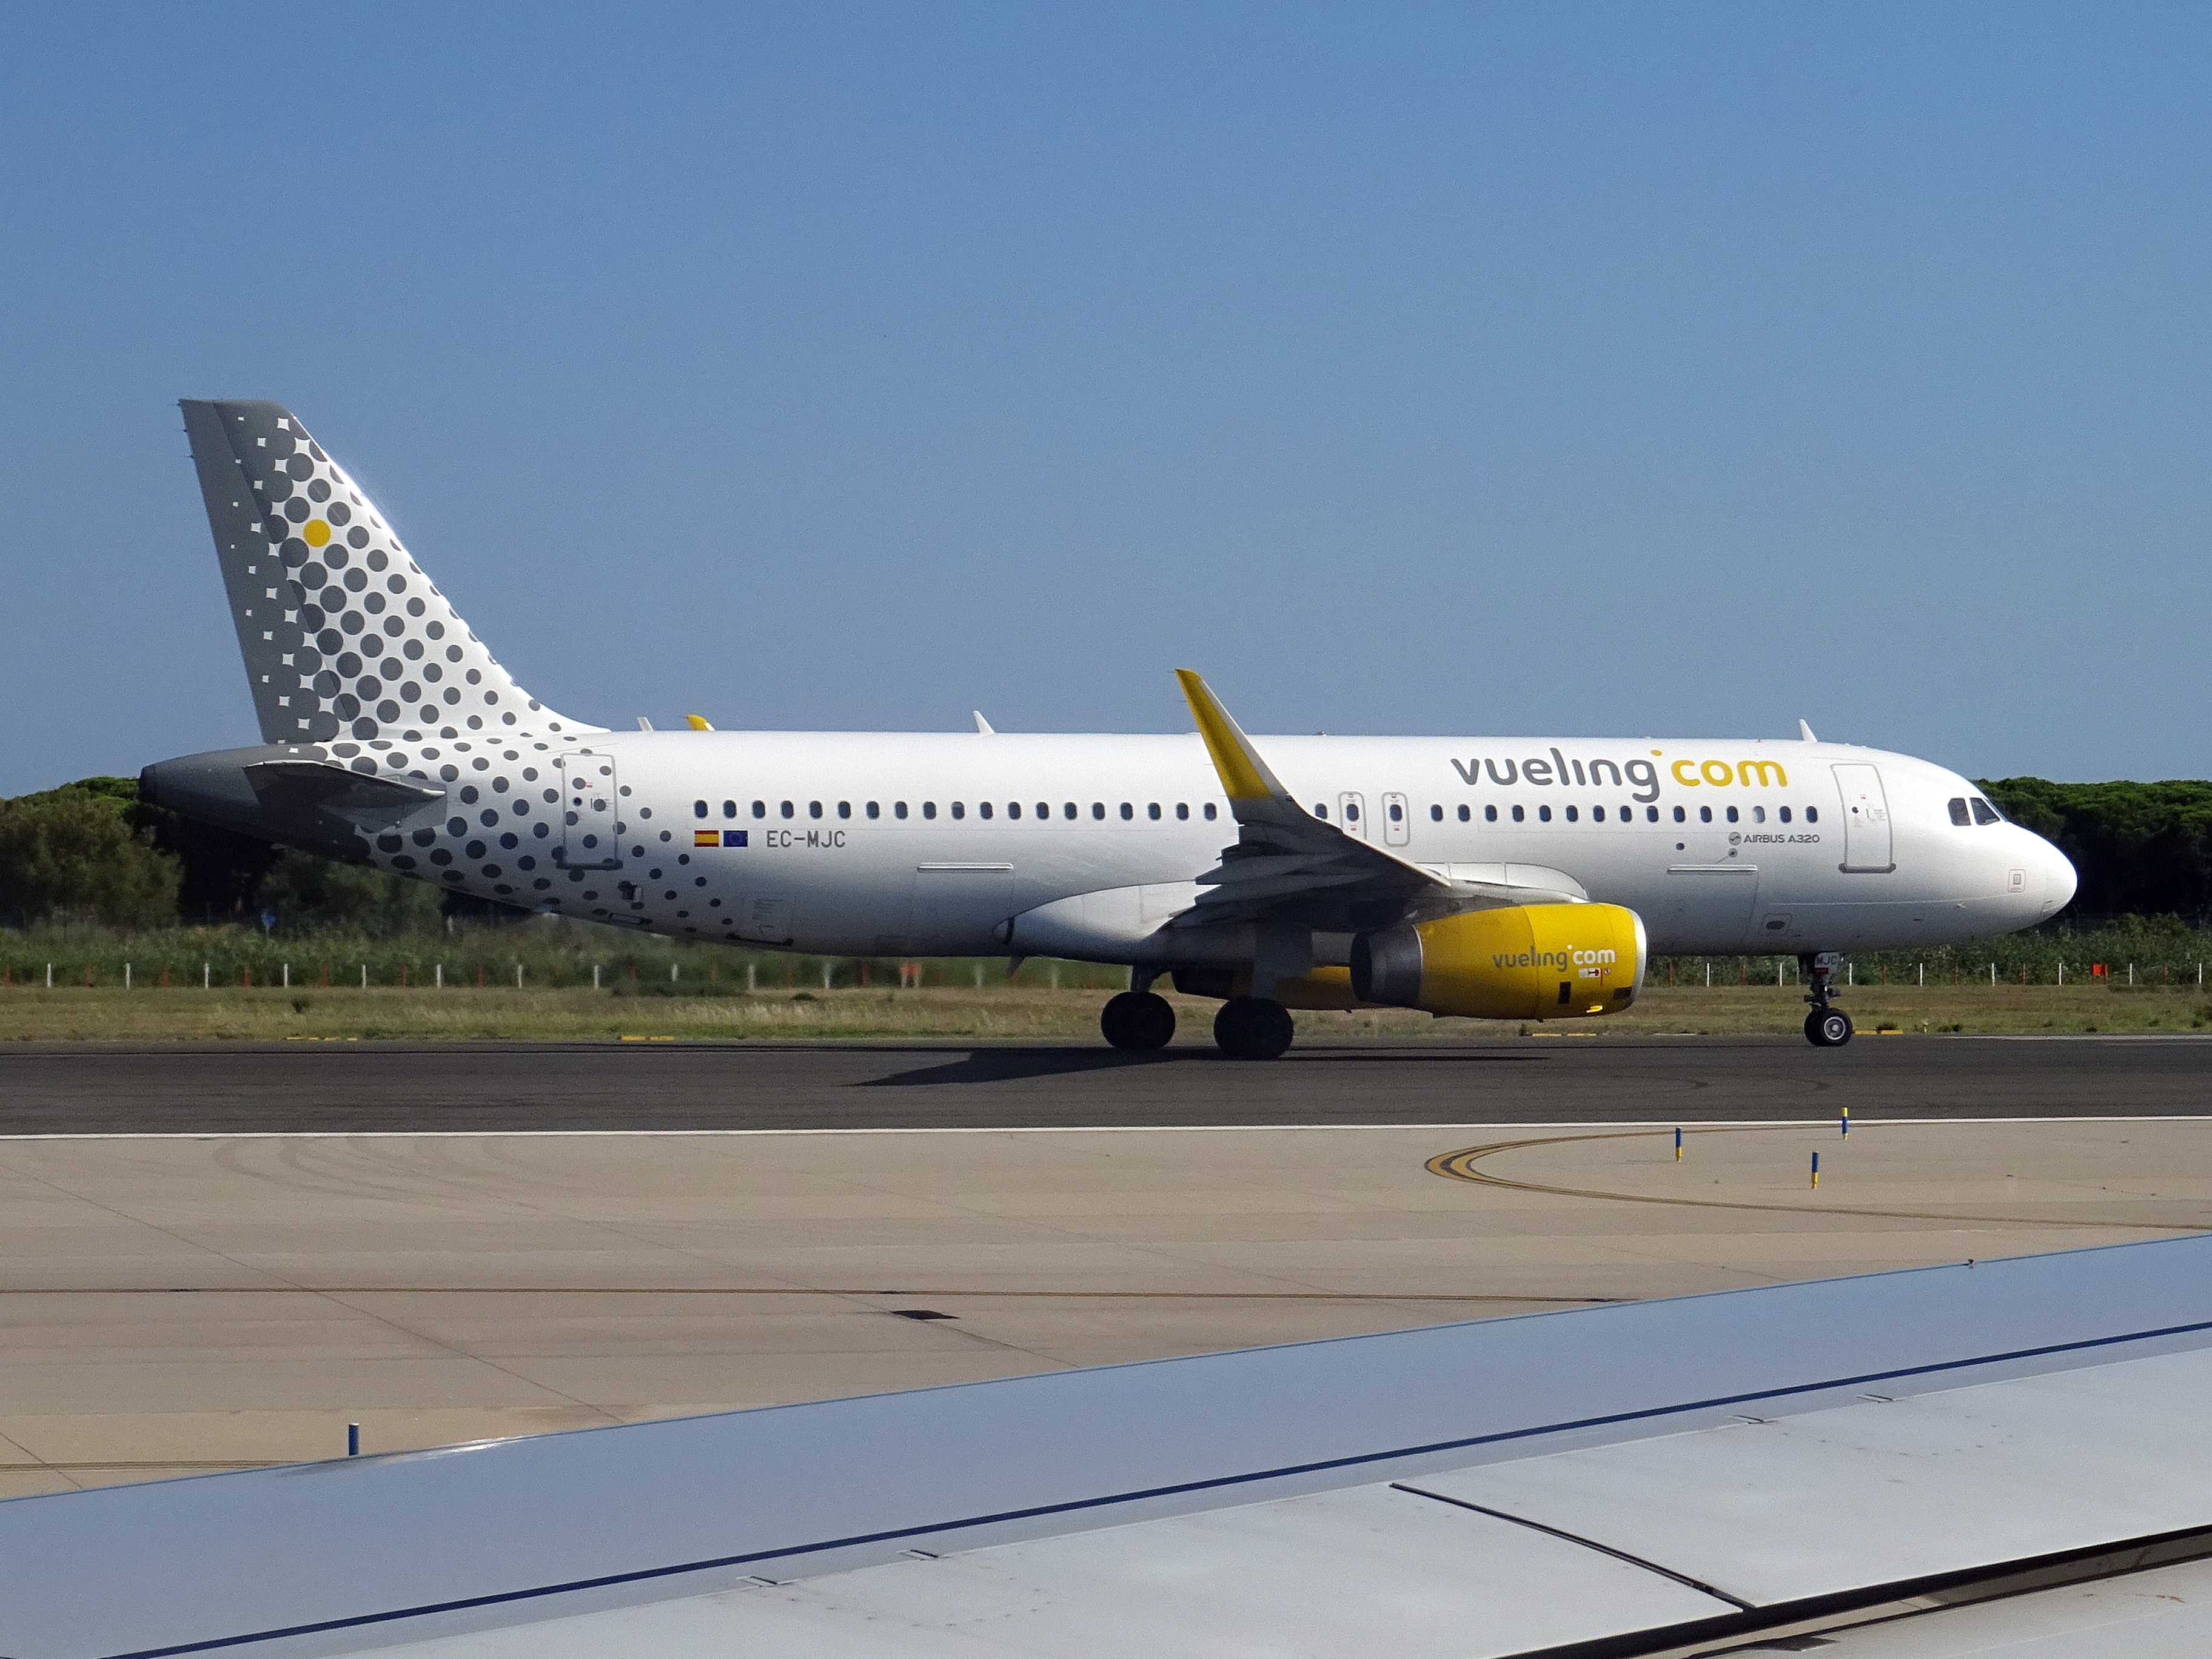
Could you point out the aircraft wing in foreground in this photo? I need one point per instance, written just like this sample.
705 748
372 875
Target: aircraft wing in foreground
2000 1458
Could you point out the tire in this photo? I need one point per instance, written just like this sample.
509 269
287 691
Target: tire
1252 1028
1138 1021
1827 1027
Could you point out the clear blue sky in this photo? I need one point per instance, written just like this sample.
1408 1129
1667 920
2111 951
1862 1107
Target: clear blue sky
1564 369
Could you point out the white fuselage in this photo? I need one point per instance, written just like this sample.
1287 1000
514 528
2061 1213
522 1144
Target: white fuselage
1086 846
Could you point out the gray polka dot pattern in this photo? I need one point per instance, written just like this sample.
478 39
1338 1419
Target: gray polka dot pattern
354 656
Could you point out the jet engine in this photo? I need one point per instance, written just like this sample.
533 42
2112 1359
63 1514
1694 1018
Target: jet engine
1513 962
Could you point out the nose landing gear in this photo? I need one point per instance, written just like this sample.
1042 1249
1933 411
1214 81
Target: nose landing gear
1828 1026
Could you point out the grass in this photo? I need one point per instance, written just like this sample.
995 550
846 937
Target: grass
1003 1012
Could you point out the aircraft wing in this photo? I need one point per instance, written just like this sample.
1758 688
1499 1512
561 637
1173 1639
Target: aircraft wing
1999 1458
1287 865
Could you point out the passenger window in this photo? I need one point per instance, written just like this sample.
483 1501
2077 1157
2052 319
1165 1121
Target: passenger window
875 809
1759 815
1128 810
729 809
814 809
1098 809
1044 808
929 809
1436 815
1544 814
1731 815
1652 813
1013 809
1209 811
1489 814
1704 815
1679 815
1959 816
1350 812
984 808
1597 814
699 809
959 809
1784 813
898 809
1985 813
844 809
1183 809
1572 815
1320 811
1153 811
1812 815
1397 812
760 809
1519 813
789 810
1465 815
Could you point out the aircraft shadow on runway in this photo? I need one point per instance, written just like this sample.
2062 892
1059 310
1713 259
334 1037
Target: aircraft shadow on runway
1014 1064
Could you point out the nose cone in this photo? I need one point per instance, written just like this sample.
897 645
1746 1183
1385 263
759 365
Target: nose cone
2059 879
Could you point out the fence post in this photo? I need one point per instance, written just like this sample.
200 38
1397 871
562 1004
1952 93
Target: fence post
207 981
126 976
364 976
288 976
437 973
50 976
595 976
752 977
518 976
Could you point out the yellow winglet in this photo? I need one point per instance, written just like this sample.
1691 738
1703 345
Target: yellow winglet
698 722
1244 775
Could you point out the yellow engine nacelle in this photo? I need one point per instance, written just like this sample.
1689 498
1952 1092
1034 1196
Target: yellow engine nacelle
1516 962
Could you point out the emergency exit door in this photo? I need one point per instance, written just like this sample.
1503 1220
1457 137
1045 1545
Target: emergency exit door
1866 821
588 829
1352 814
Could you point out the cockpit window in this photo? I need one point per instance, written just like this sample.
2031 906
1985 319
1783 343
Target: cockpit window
1985 813
1959 811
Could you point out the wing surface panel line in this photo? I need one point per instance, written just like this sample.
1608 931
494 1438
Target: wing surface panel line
1632 1559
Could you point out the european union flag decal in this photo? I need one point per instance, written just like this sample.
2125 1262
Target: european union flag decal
733 837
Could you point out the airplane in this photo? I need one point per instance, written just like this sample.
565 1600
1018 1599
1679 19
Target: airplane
1516 879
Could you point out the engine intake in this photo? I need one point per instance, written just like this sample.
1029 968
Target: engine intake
1514 962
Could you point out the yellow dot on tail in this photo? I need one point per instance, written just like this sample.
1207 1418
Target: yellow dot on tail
315 532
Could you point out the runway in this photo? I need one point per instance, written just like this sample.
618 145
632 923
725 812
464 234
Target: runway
508 1088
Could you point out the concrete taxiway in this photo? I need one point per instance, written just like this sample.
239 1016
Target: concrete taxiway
180 1302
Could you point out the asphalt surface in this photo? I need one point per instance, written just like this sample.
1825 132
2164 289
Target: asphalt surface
363 1087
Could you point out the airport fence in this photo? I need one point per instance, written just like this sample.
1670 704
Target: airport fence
546 953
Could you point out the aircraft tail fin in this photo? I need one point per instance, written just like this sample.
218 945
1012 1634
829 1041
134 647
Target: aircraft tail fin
345 640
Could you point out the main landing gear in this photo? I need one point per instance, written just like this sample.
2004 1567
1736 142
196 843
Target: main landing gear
1252 1028
1138 1021
1828 1026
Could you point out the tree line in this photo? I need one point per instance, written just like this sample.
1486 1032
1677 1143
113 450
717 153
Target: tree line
92 853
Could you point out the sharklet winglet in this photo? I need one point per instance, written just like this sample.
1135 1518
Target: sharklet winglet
1244 775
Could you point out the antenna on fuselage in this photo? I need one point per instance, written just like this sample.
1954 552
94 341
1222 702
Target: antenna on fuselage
982 726
1806 733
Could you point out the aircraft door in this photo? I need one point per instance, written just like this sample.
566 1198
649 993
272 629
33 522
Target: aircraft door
1351 814
588 803
1397 820
1867 848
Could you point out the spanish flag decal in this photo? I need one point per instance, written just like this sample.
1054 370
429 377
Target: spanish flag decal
705 838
